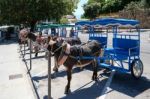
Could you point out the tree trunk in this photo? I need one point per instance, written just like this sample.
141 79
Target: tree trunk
32 25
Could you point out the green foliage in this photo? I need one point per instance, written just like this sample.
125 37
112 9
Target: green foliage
111 6
93 1
92 10
107 6
145 3
63 20
132 9
132 6
31 11
137 10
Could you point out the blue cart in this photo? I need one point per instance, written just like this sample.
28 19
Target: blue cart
124 55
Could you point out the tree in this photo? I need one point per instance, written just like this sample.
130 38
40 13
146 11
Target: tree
64 20
92 10
145 3
108 6
93 1
111 6
137 10
132 9
30 11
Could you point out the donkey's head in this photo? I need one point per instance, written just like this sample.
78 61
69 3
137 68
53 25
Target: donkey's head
54 44
31 36
23 34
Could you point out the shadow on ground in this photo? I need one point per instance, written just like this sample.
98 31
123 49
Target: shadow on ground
91 92
61 74
126 84
7 42
38 57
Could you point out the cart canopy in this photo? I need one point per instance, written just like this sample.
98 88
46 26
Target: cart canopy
115 22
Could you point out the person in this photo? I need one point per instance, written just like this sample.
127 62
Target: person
71 32
53 31
64 32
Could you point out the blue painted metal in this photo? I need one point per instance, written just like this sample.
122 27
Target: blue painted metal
115 21
126 47
82 23
100 37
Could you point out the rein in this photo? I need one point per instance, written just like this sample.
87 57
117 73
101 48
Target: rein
58 39
53 53
57 49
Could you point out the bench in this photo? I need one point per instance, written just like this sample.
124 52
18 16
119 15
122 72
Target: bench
124 48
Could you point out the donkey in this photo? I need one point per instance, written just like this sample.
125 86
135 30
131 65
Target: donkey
55 46
22 37
39 42
74 55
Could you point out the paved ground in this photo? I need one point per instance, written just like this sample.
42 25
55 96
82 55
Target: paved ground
109 86
83 87
81 83
14 81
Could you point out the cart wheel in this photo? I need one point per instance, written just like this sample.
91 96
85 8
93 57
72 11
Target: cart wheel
137 68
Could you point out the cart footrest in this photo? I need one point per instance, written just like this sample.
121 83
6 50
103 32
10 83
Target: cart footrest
121 69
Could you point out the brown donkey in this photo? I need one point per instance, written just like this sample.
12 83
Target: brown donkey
55 46
79 55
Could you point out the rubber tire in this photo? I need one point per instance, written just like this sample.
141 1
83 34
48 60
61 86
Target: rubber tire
132 64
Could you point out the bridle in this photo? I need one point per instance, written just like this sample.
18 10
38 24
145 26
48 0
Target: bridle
54 51
64 54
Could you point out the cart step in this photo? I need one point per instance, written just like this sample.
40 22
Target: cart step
120 69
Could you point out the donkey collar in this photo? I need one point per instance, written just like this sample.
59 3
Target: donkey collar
65 55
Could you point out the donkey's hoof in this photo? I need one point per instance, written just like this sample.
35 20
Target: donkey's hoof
67 91
36 54
94 78
23 59
55 70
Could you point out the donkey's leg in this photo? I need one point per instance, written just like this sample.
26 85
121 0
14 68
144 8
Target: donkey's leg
36 54
94 77
36 51
46 55
55 69
69 76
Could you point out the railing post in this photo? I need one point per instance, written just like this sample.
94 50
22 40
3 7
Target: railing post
49 75
30 55
24 49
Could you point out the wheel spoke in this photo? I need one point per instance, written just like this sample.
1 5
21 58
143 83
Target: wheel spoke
136 73
137 68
